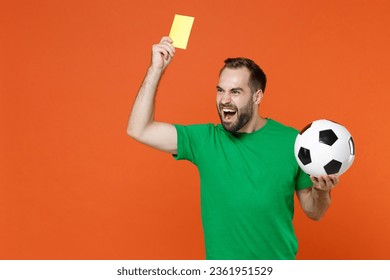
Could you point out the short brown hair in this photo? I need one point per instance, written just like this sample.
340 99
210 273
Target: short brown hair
257 79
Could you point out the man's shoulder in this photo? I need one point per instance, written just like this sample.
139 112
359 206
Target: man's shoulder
282 131
204 128
197 126
281 128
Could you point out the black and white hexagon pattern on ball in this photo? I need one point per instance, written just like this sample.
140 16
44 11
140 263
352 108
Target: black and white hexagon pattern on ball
324 147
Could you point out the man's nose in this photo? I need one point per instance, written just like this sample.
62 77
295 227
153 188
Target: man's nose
226 98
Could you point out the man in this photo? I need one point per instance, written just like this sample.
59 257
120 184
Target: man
247 168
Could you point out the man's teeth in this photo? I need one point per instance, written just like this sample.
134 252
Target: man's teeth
228 110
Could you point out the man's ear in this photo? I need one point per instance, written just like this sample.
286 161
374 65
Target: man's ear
258 96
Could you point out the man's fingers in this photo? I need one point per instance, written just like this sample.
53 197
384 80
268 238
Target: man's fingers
335 179
162 50
324 182
166 39
321 182
162 53
169 47
331 180
165 49
328 182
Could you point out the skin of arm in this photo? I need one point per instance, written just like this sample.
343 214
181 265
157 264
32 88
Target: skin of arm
316 200
142 125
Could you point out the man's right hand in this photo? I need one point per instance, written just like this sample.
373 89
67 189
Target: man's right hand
162 53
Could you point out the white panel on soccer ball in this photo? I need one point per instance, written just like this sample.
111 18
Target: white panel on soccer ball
314 169
322 153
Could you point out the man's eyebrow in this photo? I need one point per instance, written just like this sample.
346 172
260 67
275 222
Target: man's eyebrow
233 89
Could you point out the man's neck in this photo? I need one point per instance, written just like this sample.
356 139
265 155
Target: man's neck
253 125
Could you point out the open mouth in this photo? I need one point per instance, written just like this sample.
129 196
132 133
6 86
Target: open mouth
228 114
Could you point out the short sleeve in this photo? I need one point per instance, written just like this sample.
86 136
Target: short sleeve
303 180
190 139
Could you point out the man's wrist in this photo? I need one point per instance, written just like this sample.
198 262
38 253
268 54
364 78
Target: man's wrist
155 70
322 189
322 192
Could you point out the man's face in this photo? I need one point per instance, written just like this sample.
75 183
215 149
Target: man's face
235 102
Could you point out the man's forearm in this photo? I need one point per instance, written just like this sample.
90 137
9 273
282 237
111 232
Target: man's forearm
318 203
142 113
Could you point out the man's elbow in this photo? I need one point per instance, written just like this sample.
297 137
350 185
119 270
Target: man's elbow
133 133
315 216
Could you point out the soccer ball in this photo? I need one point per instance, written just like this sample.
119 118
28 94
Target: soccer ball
324 147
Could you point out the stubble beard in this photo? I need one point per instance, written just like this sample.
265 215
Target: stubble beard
242 116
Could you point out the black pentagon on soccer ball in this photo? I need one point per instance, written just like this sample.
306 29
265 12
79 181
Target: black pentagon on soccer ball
304 155
328 137
332 167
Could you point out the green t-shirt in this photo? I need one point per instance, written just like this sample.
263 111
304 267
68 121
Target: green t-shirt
247 189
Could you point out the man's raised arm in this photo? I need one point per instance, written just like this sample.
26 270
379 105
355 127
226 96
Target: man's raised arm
142 126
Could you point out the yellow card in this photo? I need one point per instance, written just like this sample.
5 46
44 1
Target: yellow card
180 30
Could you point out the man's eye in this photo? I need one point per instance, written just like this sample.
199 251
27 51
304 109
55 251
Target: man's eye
235 92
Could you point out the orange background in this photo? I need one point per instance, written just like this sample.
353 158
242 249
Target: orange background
73 185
